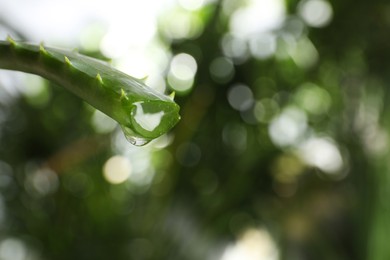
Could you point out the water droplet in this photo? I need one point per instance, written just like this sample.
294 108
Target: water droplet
133 138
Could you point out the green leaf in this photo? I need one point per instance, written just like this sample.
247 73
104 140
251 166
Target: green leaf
143 113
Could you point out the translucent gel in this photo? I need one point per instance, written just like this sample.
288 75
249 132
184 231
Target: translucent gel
133 138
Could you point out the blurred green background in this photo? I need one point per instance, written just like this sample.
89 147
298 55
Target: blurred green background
282 151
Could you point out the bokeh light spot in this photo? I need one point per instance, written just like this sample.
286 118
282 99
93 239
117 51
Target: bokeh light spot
257 16
183 66
13 249
92 36
157 82
254 244
316 13
191 5
322 153
240 97
41 182
234 48
287 167
263 46
265 110
182 72
117 169
179 24
102 123
313 99
37 93
112 46
303 52
222 70
289 127
135 63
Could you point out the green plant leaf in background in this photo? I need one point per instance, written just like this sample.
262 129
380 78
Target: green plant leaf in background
143 113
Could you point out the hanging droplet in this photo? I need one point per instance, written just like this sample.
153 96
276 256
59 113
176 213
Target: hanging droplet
133 138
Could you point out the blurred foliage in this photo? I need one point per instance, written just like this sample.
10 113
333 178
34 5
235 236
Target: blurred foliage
284 132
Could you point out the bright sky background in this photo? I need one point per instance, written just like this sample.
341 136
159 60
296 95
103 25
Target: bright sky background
63 21
121 25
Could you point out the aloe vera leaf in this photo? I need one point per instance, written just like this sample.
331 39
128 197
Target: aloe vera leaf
143 113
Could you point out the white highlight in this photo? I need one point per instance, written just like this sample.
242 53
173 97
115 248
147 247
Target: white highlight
102 123
147 121
255 244
316 13
322 153
289 127
256 17
191 5
183 66
263 46
117 169
182 72
13 249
